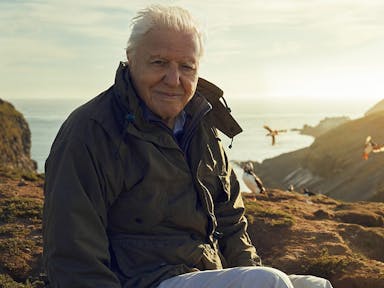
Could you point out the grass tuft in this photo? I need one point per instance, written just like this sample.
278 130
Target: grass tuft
325 265
18 207
273 217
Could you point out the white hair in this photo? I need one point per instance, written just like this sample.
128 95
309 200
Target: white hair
170 17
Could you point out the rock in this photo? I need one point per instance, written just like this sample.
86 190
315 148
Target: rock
15 141
21 183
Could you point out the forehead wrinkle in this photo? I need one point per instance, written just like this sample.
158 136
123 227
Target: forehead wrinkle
184 59
186 37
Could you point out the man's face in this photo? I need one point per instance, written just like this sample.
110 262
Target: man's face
164 71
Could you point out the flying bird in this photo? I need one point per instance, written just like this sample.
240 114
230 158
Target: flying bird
371 146
251 180
273 133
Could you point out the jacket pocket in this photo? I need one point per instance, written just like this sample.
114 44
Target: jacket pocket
134 251
216 184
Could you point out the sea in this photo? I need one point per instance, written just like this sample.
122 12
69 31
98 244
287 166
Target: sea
45 117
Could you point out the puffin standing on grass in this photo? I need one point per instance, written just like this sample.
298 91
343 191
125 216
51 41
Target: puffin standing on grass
273 133
251 180
371 146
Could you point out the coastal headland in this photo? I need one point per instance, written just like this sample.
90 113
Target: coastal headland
333 165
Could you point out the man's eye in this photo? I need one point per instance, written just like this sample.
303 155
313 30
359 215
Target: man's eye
158 62
188 67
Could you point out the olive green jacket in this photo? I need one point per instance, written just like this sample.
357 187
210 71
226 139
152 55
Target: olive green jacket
127 204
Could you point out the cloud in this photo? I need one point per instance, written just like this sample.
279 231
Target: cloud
244 36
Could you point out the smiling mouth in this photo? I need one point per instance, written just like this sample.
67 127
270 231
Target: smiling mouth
169 94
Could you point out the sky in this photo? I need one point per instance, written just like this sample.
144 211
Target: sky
278 50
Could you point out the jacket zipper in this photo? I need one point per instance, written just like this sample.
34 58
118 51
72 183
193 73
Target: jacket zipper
189 133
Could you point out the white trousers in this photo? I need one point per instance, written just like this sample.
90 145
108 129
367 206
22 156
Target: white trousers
244 277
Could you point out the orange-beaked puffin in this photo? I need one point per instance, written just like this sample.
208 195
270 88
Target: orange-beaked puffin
251 180
371 146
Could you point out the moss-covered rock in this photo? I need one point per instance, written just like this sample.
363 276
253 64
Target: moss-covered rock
15 142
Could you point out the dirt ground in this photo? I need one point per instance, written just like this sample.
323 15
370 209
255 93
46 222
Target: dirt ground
299 234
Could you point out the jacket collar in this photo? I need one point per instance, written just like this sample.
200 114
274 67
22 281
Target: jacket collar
126 105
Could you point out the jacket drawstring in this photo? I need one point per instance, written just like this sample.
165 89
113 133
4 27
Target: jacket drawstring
230 145
128 118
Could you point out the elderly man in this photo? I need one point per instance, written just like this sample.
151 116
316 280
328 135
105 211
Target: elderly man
139 192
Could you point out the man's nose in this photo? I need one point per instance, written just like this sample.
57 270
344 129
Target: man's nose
172 76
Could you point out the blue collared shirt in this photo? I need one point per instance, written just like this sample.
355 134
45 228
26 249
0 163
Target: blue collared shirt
179 121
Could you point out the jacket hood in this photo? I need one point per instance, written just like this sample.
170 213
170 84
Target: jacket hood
222 118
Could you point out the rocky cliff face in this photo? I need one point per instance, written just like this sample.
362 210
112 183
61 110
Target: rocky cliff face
333 164
379 107
15 141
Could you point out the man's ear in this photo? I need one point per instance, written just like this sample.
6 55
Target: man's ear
129 56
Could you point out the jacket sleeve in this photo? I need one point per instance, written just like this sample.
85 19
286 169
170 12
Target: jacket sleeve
234 241
76 246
